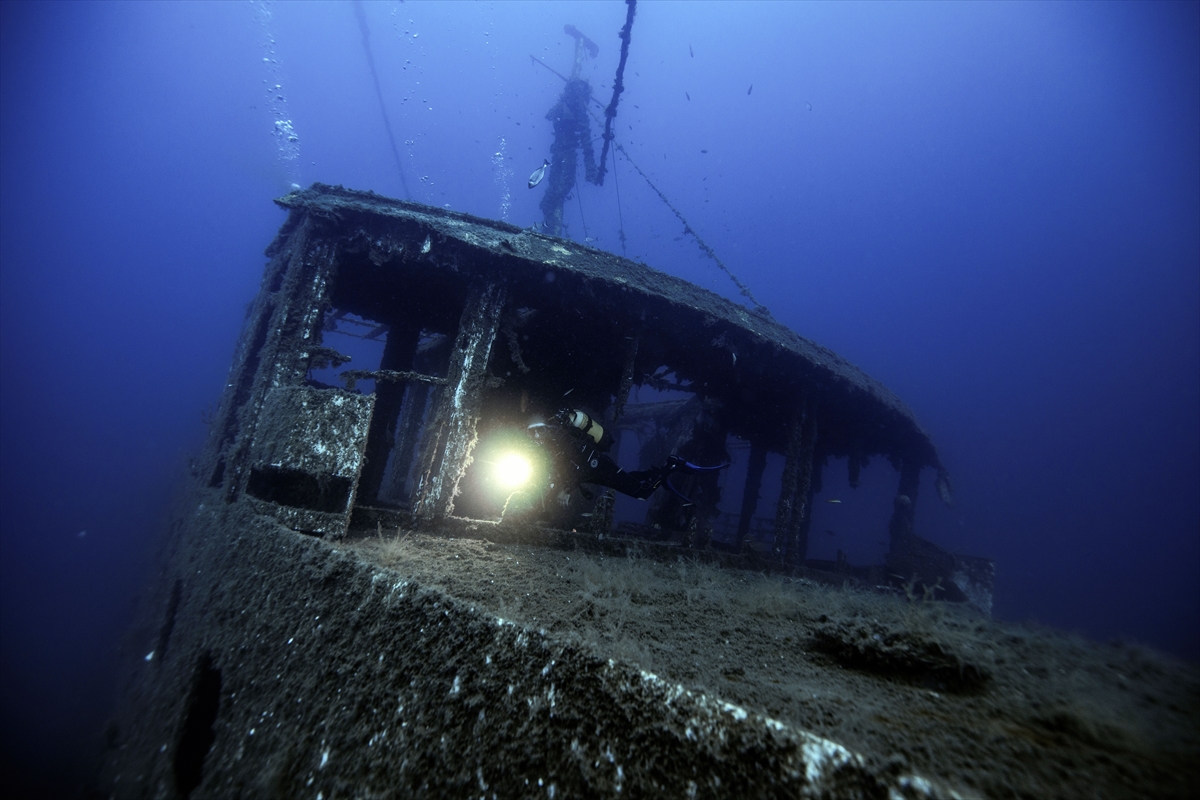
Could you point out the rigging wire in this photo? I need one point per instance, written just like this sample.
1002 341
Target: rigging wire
610 112
687 229
620 216
361 13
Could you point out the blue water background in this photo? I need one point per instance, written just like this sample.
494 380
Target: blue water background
994 209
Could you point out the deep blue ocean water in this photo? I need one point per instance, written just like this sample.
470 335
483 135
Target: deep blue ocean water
994 209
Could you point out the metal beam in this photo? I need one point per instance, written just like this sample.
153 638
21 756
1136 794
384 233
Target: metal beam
451 438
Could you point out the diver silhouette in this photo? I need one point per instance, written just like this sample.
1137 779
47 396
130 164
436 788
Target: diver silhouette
579 446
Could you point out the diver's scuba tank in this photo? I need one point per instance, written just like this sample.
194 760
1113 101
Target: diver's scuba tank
583 422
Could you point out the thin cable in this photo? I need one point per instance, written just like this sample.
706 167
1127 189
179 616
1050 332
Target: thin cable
620 216
687 228
361 13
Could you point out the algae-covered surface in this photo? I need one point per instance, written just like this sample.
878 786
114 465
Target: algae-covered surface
992 709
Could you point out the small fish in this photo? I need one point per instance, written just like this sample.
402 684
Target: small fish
809 106
688 96
690 53
833 501
831 533
751 89
538 174
703 151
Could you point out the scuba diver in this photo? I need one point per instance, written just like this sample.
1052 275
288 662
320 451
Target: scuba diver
579 446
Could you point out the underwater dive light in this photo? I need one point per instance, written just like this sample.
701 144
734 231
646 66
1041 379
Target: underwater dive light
512 470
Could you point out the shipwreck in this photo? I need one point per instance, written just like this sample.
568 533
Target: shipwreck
479 322
469 326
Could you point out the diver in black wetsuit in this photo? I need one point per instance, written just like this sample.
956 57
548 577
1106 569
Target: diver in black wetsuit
580 446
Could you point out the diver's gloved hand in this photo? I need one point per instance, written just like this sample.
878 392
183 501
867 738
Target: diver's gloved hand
677 464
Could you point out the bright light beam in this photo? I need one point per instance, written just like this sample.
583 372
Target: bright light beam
513 470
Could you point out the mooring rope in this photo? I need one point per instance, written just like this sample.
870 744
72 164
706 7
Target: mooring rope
610 113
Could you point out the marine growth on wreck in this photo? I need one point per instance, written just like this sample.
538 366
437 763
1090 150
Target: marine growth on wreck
480 327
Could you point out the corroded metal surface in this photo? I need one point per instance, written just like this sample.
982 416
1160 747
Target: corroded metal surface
483 323
730 343
290 667
307 454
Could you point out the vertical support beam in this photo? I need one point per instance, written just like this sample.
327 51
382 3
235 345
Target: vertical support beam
791 530
802 507
602 512
805 524
451 439
429 360
407 429
705 445
905 508
754 473
398 352
787 488
627 372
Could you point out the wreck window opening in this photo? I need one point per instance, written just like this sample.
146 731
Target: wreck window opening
845 520
218 474
351 335
761 536
739 459
660 385
733 496
656 423
627 453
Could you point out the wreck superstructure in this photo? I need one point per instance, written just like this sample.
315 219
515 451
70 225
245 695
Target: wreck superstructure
280 661
480 320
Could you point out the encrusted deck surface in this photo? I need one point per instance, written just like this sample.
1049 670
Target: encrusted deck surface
276 664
